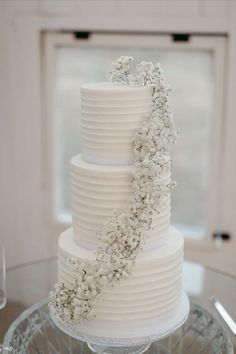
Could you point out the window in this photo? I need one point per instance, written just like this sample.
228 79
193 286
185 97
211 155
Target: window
191 68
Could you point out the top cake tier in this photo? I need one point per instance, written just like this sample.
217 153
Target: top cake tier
111 115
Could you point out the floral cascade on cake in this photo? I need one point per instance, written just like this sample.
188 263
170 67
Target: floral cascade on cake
136 227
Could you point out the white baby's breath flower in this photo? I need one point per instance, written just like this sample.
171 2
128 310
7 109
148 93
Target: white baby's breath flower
120 70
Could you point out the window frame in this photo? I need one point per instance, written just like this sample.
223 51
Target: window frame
216 44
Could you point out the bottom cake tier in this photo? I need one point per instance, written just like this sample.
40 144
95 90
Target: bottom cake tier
124 336
153 290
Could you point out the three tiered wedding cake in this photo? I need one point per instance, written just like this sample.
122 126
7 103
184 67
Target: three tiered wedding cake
120 265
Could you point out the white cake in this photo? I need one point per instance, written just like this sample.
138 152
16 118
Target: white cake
100 184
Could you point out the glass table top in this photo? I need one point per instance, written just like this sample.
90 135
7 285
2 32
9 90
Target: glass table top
30 283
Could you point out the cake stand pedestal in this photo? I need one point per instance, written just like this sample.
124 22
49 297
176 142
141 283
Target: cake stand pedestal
134 349
108 339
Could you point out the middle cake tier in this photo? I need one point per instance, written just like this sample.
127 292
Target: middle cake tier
97 191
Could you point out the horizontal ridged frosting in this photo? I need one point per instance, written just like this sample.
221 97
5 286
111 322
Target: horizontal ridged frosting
101 184
97 191
111 115
153 288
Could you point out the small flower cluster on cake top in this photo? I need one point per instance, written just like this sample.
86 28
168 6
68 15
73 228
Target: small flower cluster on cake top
123 235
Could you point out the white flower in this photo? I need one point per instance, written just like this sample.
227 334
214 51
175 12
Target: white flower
120 70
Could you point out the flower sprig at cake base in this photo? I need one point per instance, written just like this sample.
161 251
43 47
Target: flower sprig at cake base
120 265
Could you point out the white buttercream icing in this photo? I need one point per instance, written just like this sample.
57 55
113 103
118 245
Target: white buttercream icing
111 114
101 184
152 290
97 191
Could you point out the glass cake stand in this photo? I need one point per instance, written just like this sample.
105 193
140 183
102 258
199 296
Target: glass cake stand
35 332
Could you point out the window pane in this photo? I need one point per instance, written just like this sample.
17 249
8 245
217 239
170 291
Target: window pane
190 76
